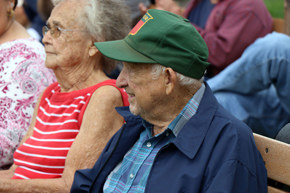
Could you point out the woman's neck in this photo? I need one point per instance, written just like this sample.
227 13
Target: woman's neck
78 81
13 31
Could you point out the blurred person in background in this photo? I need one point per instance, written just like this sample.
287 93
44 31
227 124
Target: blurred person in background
23 76
30 17
20 15
255 88
134 7
44 8
35 21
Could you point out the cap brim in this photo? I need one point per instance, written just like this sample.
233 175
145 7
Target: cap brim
121 51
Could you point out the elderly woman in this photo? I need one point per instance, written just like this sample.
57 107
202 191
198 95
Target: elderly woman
75 116
23 77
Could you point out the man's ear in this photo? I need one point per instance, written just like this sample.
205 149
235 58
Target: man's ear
170 79
93 51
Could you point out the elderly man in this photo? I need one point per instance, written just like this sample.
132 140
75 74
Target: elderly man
179 139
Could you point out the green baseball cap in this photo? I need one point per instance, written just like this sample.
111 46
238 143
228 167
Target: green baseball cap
161 37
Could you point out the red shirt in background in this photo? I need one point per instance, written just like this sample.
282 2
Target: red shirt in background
231 27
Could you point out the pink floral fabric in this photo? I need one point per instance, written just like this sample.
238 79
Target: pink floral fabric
23 77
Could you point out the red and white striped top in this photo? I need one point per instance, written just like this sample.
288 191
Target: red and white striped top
58 122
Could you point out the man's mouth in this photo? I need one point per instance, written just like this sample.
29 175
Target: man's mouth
130 95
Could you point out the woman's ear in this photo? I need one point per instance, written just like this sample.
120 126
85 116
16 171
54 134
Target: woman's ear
170 80
93 51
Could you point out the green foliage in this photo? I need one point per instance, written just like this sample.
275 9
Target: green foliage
275 7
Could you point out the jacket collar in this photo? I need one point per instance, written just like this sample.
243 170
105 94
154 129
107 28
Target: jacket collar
193 133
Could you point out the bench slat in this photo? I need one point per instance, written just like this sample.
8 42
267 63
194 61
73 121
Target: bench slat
275 190
278 25
276 155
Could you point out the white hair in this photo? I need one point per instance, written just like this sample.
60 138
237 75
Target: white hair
105 20
158 69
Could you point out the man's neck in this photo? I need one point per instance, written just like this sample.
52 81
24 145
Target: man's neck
169 111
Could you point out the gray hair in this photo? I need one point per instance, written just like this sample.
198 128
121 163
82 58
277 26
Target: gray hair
158 69
105 20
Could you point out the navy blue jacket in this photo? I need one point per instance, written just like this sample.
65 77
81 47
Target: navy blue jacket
213 153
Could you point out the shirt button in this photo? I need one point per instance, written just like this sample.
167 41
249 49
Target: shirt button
131 176
148 144
167 134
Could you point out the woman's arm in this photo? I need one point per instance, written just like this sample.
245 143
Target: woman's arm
99 123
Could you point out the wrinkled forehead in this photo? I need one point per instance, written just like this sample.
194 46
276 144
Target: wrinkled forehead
67 14
138 67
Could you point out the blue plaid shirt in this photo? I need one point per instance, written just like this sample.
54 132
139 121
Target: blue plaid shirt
132 173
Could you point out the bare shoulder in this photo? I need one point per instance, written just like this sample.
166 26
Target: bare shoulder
100 114
102 104
107 95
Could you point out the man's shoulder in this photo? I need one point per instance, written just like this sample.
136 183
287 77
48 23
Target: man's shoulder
228 127
234 136
223 129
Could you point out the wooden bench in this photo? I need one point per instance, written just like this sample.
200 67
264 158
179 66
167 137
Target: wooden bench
287 16
276 156
282 25
278 25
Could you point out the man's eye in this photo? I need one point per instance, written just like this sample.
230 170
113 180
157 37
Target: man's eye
56 29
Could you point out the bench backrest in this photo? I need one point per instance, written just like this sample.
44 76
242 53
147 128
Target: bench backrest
278 25
282 25
287 16
276 156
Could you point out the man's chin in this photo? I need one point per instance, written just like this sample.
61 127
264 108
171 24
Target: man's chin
133 110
